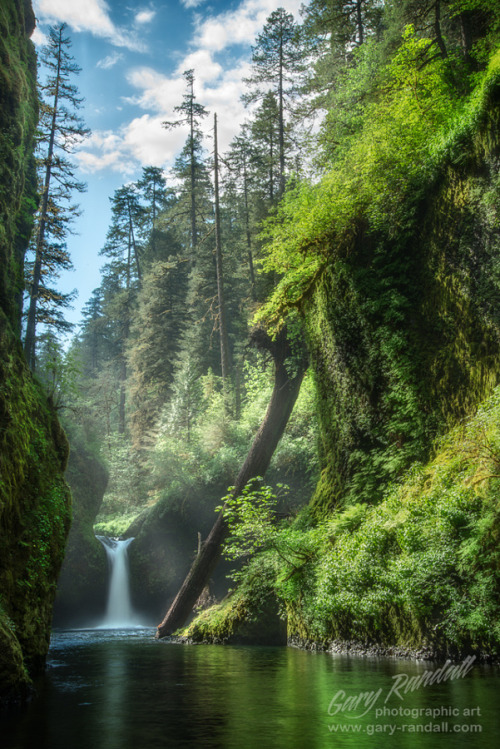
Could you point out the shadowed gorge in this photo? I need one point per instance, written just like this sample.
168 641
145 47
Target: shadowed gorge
34 499
271 421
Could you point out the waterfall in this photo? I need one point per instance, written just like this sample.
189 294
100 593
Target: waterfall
119 611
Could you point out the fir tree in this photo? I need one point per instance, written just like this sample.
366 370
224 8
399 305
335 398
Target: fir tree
277 61
61 129
189 165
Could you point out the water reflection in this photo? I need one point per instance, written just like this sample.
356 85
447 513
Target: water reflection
124 690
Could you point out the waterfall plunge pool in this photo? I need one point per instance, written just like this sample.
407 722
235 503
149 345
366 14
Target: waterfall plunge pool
121 689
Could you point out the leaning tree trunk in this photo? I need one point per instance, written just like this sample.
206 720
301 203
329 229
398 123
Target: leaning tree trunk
285 392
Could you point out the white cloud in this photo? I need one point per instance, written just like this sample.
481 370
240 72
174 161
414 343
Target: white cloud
192 3
238 26
144 141
144 16
108 62
157 92
38 37
150 143
218 90
89 15
205 67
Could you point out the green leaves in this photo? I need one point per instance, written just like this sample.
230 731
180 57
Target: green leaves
378 176
251 519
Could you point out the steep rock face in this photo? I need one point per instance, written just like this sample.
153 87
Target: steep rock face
18 118
34 499
82 584
166 538
404 330
34 507
404 335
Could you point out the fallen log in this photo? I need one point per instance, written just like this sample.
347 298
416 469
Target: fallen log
289 369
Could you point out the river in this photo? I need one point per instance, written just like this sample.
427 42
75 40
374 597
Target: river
121 689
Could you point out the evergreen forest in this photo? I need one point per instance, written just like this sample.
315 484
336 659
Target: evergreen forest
286 386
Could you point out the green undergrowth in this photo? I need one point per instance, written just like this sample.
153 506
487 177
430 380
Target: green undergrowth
420 568
417 126
245 606
181 469
116 526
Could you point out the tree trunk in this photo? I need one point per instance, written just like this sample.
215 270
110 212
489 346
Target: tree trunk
466 34
285 392
126 333
224 342
437 30
359 23
30 338
134 246
194 233
247 229
281 119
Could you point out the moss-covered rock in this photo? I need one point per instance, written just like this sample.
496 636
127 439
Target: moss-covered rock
421 568
82 584
239 620
166 541
403 326
14 680
34 499
18 118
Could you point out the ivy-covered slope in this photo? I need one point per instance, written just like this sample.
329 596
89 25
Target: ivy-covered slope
418 571
34 499
392 261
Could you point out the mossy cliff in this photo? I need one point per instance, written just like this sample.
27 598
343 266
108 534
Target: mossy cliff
400 299
404 328
18 118
34 510
34 499
419 571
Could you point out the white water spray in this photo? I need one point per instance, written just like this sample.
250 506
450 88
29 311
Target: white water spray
119 611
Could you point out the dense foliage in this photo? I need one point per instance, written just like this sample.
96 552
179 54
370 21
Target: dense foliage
419 568
364 188
389 256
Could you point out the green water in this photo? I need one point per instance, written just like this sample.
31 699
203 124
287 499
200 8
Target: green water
121 690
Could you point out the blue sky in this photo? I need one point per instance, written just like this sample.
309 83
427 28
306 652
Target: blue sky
132 58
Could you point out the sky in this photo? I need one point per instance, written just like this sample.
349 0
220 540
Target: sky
132 57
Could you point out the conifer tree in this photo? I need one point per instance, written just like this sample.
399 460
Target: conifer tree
239 184
265 137
156 342
223 338
189 165
124 275
94 336
156 199
61 129
277 61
